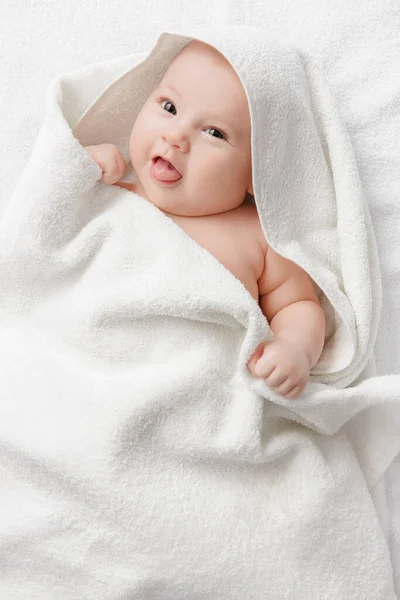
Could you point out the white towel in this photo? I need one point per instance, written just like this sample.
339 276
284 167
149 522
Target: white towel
140 457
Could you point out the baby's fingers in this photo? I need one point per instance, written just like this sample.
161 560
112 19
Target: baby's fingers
277 378
264 367
255 358
292 387
121 163
294 392
286 386
269 367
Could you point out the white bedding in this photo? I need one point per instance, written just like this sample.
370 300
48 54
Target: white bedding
357 45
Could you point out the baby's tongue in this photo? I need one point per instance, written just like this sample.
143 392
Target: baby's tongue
164 170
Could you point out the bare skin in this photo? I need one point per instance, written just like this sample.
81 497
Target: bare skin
179 121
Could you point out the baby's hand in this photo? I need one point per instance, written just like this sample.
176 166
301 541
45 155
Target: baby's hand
110 161
284 366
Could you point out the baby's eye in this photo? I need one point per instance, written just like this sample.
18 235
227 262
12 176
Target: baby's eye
219 134
168 105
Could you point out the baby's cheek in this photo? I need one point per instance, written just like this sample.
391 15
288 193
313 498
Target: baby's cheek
132 145
137 149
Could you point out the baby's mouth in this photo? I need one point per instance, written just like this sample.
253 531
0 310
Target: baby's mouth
163 170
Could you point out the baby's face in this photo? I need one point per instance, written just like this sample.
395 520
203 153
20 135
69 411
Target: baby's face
198 119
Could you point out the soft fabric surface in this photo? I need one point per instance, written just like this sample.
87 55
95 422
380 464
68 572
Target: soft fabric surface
148 462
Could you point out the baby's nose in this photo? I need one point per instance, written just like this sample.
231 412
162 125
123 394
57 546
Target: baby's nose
177 140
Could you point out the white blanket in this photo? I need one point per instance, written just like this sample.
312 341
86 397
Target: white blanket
142 456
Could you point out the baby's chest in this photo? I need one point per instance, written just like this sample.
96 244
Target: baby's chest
234 243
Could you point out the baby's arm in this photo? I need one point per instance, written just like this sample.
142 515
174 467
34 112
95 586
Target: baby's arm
291 306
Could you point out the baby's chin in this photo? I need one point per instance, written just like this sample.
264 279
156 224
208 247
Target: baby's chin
167 201
176 202
173 208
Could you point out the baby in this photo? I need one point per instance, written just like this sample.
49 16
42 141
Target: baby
190 148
